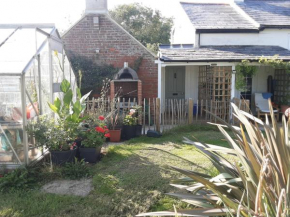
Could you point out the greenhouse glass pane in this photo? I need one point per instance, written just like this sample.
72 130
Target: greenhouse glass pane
18 50
11 130
45 80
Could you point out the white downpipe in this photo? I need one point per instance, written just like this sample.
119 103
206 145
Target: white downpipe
233 88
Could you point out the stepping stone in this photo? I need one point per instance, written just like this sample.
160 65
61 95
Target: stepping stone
69 187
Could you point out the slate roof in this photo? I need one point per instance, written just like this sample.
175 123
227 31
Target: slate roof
215 16
268 13
221 53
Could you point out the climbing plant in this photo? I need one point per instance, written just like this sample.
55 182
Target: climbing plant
92 73
275 63
244 70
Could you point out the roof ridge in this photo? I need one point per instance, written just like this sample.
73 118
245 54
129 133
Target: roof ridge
205 3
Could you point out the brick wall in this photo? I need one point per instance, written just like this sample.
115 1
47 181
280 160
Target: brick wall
116 47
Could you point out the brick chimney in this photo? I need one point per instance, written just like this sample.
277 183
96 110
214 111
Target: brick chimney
96 7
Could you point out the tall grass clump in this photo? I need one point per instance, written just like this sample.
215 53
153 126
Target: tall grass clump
254 183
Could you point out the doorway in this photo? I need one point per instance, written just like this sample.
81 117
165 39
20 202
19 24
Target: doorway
175 82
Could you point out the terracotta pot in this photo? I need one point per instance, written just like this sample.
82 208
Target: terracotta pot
115 135
284 108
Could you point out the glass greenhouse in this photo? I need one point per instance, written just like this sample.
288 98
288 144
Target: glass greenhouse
32 65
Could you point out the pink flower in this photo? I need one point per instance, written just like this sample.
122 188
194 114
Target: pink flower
107 135
101 118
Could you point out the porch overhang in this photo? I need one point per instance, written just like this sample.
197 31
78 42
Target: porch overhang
207 54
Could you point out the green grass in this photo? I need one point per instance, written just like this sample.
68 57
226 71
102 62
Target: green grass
130 179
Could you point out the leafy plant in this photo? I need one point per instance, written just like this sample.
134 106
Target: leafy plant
39 128
285 100
20 179
275 63
255 183
93 73
244 70
76 170
68 109
130 118
95 137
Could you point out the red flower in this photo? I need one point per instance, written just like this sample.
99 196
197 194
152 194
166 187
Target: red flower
101 118
107 135
100 130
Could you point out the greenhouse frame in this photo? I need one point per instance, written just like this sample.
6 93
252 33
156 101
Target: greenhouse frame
32 65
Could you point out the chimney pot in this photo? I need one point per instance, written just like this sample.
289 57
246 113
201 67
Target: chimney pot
96 7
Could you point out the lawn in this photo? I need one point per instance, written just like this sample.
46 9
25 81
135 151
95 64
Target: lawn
131 178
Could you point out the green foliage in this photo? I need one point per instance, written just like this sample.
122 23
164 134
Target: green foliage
93 139
74 171
244 70
147 25
93 74
20 179
70 115
38 128
67 109
255 184
275 63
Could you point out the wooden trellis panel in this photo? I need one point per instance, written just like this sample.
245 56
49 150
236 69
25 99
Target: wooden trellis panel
215 87
282 87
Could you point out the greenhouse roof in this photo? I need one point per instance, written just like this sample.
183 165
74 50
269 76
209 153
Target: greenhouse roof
19 44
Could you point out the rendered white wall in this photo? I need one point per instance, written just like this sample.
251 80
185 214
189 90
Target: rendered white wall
279 37
183 30
191 82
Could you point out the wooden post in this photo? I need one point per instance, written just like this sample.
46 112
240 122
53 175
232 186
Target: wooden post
158 114
144 116
190 111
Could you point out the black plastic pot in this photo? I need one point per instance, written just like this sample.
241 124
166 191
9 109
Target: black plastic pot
90 155
62 157
129 131
138 130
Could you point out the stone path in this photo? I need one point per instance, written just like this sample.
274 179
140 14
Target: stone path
69 187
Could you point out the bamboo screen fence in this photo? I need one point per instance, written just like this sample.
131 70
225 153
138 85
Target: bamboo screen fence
171 113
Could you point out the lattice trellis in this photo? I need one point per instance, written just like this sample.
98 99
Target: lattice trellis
282 87
215 86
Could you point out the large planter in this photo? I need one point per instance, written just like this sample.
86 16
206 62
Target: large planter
138 130
129 131
90 155
284 108
62 157
115 135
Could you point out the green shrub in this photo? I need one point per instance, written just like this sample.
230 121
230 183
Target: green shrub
20 179
76 170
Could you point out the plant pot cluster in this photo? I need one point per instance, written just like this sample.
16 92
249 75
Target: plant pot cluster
131 131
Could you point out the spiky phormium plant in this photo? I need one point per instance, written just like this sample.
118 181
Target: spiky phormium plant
256 184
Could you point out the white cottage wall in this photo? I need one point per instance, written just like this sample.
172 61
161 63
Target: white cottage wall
191 82
276 37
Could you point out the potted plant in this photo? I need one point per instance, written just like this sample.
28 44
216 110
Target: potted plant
130 122
93 141
61 148
284 105
115 126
